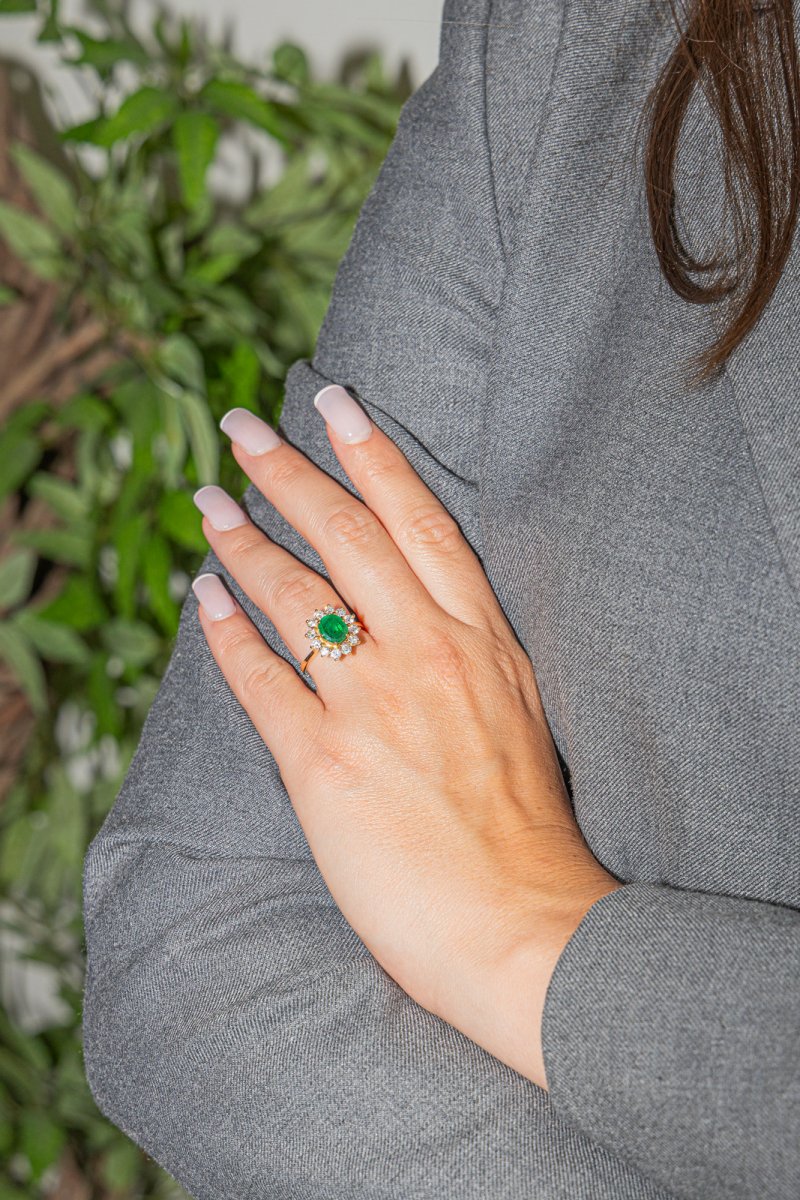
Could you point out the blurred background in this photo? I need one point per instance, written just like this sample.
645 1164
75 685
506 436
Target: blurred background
177 187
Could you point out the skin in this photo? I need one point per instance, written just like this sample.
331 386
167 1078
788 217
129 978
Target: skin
422 771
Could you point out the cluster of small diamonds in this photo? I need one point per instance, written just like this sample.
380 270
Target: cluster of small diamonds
325 647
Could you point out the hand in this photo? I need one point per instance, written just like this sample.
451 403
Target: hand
422 769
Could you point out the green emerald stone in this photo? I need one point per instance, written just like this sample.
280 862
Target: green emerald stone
333 628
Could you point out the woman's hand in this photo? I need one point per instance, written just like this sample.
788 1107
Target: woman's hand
422 770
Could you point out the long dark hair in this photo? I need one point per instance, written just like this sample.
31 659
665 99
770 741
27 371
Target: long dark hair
745 57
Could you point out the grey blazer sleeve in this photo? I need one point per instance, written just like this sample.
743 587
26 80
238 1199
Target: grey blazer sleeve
671 1035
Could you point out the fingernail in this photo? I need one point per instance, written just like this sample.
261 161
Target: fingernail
346 418
215 598
221 509
252 434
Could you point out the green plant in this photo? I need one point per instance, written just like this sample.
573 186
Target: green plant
176 303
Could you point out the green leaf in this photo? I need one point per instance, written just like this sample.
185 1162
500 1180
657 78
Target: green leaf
86 131
68 818
170 244
84 411
24 1083
23 1044
213 270
194 135
225 248
25 418
288 198
156 570
51 189
19 454
131 545
7 295
16 652
7 1145
121 1167
170 446
78 605
55 643
61 496
180 520
227 238
290 63
17 6
31 240
325 115
16 576
141 113
203 436
100 692
181 360
41 1141
134 642
377 109
105 53
232 311
58 545
199 218
241 102
51 30
242 374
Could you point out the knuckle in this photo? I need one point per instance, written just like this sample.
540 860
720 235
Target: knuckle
448 661
242 543
234 641
287 591
350 525
285 472
336 756
378 469
508 657
429 526
389 708
260 678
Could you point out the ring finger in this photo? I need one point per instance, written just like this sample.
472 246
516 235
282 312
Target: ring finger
286 591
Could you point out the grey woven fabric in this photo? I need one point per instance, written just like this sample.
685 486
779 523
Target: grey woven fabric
501 314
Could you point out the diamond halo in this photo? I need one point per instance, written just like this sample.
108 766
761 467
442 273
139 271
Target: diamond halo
333 633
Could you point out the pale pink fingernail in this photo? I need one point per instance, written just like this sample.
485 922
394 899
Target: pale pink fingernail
221 509
215 598
253 435
346 418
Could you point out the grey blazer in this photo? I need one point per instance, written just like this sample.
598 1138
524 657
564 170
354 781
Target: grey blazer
501 314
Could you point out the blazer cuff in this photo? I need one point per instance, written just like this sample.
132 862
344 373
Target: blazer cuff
669 1036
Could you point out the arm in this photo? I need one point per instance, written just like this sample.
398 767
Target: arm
671 1035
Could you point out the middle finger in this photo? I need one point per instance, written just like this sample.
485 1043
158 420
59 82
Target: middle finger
362 560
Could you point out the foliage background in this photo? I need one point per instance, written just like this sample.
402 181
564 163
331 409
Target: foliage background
136 307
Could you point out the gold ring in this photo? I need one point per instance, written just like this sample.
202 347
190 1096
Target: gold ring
333 632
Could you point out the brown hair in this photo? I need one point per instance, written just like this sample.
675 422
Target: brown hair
745 57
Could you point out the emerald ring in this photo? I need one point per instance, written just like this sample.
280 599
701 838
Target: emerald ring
333 632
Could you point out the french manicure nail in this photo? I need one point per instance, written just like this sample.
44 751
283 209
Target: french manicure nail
252 434
215 598
346 418
221 509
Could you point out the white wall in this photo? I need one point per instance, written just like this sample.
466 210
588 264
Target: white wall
324 28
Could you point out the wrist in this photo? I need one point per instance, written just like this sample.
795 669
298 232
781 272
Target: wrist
529 970
500 1003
